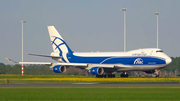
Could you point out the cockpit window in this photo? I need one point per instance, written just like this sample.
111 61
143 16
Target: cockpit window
159 51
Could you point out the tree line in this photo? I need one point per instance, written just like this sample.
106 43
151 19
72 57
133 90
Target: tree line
36 70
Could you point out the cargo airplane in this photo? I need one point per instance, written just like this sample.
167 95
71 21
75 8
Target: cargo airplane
103 64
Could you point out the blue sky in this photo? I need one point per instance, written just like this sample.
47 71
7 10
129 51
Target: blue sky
87 25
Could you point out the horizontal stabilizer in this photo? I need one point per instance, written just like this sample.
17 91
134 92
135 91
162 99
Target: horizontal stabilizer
45 56
36 63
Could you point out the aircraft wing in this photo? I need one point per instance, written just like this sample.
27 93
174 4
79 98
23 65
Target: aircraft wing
85 65
49 63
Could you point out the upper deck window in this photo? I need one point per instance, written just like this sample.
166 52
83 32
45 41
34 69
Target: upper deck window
159 51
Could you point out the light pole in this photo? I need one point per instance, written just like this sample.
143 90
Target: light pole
22 46
124 10
157 13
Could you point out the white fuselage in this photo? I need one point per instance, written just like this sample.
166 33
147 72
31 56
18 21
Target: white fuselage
140 59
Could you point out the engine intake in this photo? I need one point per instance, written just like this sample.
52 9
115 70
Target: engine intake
59 69
97 70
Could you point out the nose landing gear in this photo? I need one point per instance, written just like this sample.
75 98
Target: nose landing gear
156 73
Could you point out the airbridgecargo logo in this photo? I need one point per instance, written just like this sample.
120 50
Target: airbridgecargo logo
58 42
138 61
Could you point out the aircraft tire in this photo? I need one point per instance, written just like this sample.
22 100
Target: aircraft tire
104 76
110 76
113 75
157 75
124 75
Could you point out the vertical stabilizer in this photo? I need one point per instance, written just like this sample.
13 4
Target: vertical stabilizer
57 42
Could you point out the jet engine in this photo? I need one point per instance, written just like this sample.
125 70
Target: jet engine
97 70
59 69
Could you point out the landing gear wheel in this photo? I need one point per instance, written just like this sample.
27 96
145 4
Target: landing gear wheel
157 75
106 76
101 76
111 76
124 75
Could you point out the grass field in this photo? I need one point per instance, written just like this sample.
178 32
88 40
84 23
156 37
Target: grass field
90 94
69 78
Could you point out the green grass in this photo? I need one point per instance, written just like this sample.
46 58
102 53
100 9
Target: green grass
89 94
70 78
32 81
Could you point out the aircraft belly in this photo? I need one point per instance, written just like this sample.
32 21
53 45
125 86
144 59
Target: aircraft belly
141 68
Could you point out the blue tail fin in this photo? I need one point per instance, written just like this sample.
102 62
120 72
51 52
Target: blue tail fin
57 42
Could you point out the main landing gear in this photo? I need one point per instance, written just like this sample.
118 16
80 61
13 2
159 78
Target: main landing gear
106 76
124 75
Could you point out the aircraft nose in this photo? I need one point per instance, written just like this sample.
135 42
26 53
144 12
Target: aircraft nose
168 60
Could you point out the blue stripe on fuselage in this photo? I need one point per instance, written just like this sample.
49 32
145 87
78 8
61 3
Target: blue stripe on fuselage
129 60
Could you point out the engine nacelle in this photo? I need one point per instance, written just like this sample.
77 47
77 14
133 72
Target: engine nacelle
150 72
97 70
59 69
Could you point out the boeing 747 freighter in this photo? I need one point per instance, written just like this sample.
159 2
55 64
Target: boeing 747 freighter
103 64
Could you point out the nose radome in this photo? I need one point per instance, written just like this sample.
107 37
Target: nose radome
168 60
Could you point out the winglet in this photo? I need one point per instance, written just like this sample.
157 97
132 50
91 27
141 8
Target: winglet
11 61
